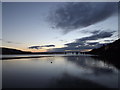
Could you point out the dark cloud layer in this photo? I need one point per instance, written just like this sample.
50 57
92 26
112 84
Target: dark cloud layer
97 36
48 46
85 40
82 14
40 47
73 44
84 43
34 47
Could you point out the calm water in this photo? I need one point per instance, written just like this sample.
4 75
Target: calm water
58 71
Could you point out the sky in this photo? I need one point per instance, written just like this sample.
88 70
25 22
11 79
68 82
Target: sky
58 26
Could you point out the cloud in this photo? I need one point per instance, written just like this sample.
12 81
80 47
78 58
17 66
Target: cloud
48 46
85 40
73 44
40 47
75 15
92 43
95 32
34 47
84 43
97 36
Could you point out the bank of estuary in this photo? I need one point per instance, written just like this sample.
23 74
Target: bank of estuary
109 52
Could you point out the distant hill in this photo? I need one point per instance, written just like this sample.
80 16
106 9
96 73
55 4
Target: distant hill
12 51
15 51
109 50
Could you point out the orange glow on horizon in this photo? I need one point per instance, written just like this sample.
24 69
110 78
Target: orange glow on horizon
86 50
39 51
34 50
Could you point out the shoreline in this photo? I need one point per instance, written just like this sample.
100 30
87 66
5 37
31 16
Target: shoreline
63 55
6 58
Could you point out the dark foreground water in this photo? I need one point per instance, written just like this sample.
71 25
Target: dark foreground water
58 72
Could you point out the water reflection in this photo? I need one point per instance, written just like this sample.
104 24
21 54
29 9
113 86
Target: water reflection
69 81
59 71
95 65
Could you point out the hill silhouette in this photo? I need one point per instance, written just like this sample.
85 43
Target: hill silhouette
109 52
12 51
